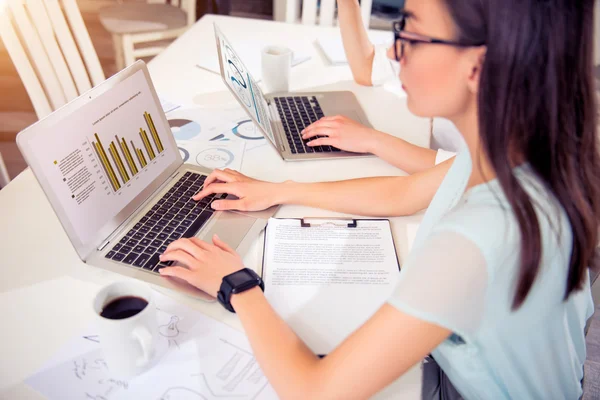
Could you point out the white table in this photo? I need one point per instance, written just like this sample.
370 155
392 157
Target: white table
46 291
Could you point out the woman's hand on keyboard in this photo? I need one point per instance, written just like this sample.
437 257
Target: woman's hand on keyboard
203 264
253 195
341 132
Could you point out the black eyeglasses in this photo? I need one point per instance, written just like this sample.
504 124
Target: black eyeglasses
401 38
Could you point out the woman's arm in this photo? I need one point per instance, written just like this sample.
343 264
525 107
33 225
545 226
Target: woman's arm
380 196
346 134
359 50
381 350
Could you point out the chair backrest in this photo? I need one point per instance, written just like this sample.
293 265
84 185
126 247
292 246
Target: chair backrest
324 14
51 49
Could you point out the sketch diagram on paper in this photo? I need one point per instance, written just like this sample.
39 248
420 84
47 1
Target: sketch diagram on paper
182 393
239 376
170 331
206 360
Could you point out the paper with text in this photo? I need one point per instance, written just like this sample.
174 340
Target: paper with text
327 280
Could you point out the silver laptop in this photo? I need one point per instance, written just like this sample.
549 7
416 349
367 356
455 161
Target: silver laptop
111 169
282 116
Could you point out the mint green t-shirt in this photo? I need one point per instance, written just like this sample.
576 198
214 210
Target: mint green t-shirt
461 274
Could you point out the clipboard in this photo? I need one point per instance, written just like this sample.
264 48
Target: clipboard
309 222
269 271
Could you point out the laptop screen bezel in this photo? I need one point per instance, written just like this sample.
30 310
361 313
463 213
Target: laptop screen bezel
218 35
45 127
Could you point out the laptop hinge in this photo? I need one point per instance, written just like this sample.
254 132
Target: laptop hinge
277 127
103 245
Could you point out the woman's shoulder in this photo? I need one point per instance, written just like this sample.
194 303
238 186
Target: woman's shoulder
485 216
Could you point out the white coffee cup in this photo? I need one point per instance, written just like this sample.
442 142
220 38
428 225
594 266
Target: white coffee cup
276 68
128 343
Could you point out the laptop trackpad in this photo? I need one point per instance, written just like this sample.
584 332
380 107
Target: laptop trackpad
230 227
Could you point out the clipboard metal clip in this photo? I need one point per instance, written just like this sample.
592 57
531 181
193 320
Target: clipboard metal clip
309 222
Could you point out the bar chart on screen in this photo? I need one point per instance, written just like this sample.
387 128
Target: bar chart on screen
101 157
122 159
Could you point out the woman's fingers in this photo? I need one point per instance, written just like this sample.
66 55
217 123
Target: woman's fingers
223 205
325 141
186 245
178 272
218 175
222 245
201 243
228 188
323 129
180 256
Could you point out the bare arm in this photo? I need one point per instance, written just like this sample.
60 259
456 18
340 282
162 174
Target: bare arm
387 346
384 348
408 157
359 50
349 135
380 196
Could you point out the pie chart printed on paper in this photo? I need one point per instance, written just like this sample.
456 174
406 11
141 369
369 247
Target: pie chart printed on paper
215 158
184 129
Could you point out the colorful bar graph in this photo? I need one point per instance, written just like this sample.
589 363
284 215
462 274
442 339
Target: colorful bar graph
142 157
149 148
110 172
127 155
153 132
119 162
139 155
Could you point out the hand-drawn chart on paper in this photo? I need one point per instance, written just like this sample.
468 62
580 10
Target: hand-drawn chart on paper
199 359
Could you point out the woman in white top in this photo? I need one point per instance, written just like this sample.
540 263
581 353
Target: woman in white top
375 65
496 286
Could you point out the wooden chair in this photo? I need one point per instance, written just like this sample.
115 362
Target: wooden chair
324 15
4 177
137 23
51 49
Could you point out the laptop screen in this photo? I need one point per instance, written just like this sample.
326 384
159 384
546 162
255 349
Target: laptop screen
97 159
243 86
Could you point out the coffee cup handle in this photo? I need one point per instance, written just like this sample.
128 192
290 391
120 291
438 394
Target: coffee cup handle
144 338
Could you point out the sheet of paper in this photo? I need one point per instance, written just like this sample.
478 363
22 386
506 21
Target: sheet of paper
325 280
225 123
333 48
168 105
199 359
213 155
249 51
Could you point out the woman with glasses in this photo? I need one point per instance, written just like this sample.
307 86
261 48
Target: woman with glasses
376 65
496 287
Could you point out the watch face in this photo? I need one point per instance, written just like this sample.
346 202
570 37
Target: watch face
240 278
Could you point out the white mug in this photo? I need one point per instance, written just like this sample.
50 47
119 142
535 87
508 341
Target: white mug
276 67
128 341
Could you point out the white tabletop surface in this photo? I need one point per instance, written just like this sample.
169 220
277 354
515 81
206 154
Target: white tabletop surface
46 290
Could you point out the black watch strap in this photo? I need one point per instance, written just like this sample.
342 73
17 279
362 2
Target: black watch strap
237 282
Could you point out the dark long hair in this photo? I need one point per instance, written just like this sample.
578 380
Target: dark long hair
537 102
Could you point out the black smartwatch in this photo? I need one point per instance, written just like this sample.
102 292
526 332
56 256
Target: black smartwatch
238 282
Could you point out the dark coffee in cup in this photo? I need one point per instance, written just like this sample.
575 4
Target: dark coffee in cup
123 307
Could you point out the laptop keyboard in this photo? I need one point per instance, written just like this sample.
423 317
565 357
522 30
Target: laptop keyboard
297 113
176 215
